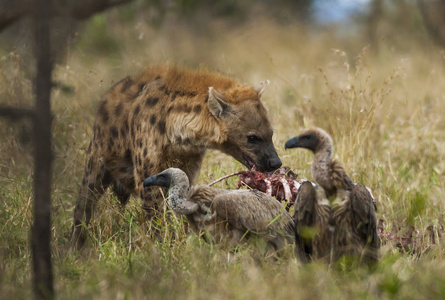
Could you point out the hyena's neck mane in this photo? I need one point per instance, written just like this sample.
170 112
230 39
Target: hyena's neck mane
183 81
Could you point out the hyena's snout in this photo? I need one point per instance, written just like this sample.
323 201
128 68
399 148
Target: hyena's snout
270 160
274 163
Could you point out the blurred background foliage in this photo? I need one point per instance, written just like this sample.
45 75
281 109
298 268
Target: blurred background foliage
403 22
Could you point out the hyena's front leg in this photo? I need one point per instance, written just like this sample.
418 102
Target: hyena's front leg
152 206
96 180
152 200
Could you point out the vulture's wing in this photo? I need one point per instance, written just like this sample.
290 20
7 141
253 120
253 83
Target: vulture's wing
356 226
339 177
251 210
323 224
312 222
304 221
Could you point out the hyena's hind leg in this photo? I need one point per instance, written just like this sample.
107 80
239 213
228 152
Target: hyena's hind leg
94 183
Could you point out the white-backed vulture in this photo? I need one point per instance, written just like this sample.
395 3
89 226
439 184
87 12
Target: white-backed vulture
226 216
349 226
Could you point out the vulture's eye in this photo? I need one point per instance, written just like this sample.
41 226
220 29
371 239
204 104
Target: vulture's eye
306 137
253 139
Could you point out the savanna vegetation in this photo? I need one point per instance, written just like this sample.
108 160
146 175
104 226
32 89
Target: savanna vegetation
383 104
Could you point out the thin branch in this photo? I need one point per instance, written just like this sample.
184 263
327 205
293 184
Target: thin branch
81 10
14 113
10 13
86 9
227 176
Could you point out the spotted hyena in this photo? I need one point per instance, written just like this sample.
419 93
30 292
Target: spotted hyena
168 117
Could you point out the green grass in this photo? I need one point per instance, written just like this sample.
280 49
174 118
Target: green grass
385 114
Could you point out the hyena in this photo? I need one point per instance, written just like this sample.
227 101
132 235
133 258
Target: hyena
168 117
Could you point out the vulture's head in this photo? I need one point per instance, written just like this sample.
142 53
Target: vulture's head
168 178
178 186
313 139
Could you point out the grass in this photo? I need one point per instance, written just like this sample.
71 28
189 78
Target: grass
385 113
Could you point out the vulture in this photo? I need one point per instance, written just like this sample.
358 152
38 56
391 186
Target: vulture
336 217
227 217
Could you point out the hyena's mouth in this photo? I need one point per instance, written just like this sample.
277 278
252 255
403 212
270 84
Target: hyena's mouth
248 162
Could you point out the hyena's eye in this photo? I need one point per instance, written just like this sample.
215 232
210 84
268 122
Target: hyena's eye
253 139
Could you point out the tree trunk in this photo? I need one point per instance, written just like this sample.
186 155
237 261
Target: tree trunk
435 29
373 21
41 230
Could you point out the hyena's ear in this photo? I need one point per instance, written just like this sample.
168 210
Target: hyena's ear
261 87
217 103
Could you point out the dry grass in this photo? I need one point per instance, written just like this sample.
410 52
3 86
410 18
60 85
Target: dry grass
386 116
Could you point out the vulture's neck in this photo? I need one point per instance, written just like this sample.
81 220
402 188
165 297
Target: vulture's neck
178 201
320 165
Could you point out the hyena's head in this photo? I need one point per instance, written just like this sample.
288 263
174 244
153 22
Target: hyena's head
244 120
